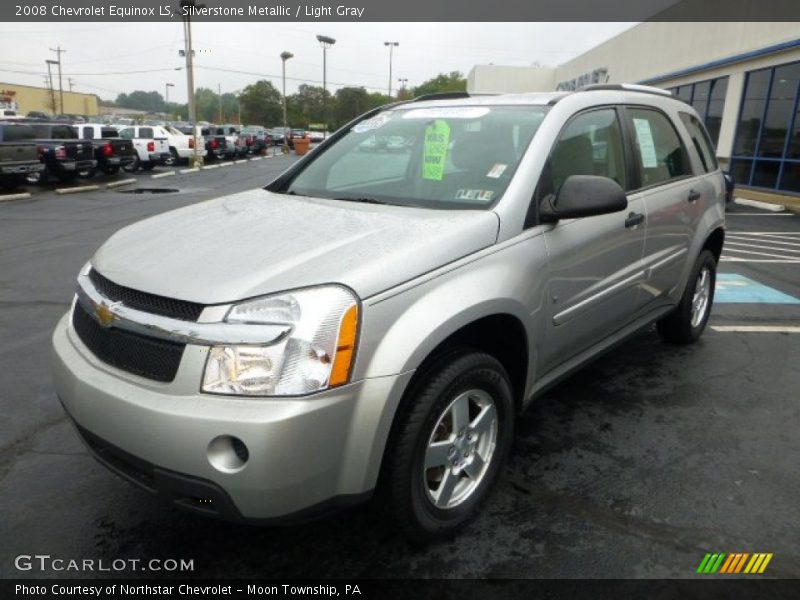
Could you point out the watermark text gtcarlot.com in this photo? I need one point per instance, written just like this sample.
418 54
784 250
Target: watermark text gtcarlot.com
49 563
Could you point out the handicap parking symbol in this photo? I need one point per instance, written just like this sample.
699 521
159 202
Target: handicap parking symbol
733 288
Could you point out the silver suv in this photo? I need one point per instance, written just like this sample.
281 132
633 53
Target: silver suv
374 319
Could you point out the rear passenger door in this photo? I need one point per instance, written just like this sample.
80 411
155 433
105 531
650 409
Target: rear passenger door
672 196
595 262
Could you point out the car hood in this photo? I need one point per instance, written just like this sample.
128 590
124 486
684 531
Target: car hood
258 242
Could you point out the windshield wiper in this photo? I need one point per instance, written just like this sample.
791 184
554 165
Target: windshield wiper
364 200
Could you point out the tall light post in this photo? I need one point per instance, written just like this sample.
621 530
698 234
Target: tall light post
186 6
284 57
166 99
59 51
50 78
219 96
326 42
391 46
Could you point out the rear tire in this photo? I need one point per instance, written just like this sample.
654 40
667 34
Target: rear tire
88 173
173 158
132 167
449 445
687 322
37 178
147 166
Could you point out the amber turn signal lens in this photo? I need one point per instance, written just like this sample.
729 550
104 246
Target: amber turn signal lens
345 347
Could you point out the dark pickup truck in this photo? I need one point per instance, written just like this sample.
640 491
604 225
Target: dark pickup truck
215 142
110 150
61 152
18 155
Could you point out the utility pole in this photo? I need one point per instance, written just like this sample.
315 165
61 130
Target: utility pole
50 78
189 54
326 42
59 51
219 93
391 46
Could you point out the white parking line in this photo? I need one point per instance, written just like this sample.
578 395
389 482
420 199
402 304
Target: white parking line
756 328
160 175
776 249
769 240
761 205
192 170
21 196
227 164
780 214
239 162
75 190
257 158
725 258
207 167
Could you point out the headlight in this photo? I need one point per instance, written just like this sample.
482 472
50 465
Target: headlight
316 354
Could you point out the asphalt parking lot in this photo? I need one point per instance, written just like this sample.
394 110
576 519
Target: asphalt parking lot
636 467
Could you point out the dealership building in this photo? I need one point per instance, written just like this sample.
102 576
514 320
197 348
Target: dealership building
27 98
742 78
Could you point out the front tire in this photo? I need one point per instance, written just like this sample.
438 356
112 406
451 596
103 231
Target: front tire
687 322
449 445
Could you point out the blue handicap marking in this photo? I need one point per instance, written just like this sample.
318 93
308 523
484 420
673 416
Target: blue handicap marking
733 288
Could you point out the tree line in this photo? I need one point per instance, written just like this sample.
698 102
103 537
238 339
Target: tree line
261 103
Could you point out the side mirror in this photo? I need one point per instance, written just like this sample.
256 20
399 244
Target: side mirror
583 196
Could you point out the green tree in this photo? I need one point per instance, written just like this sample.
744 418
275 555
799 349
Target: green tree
206 103
308 106
443 82
261 104
141 100
349 103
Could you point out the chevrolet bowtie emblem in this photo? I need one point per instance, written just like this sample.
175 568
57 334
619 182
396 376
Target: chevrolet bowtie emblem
104 315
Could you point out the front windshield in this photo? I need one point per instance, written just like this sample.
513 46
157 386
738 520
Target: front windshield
446 157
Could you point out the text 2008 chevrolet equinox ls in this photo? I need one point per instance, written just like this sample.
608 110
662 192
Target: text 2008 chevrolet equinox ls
376 317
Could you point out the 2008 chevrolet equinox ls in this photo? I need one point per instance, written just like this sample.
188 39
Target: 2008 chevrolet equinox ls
374 318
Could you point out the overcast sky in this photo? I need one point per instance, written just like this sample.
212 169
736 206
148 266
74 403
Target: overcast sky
100 56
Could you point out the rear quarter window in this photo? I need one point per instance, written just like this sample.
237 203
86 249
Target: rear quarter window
109 132
63 132
146 132
701 141
17 133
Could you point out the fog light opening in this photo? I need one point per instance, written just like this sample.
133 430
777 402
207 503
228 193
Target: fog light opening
228 454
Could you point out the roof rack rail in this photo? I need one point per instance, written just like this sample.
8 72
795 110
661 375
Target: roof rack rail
625 87
441 96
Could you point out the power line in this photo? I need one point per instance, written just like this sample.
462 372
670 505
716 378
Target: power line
305 80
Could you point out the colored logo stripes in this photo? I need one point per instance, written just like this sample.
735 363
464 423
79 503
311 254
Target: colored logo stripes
737 562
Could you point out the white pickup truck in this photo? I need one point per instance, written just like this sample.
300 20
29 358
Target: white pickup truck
151 145
181 145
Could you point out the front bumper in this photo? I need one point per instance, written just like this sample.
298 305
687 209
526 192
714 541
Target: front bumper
303 452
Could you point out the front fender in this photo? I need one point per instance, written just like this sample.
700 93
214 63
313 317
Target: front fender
403 326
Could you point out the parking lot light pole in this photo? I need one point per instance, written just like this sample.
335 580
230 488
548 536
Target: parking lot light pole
284 57
391 46
166 100
59 51
326 42
402 81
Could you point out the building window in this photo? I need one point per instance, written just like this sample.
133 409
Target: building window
708 99
766 151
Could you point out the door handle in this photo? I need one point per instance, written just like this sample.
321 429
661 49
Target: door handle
634 219
693 196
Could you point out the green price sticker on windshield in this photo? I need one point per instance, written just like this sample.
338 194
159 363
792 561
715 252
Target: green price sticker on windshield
437 139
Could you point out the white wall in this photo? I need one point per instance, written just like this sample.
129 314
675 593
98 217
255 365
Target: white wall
655 49
491 79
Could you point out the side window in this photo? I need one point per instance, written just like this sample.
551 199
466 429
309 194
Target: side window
88 133
658 147
146 132
701 141
127 133
591 144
